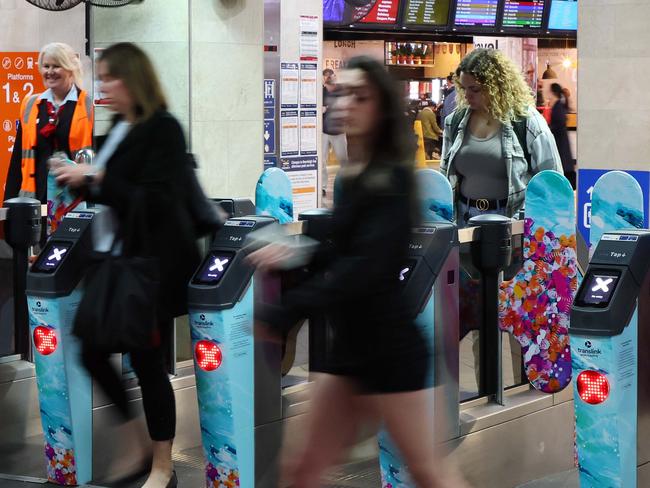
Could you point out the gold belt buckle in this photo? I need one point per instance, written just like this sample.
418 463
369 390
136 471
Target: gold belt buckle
482 204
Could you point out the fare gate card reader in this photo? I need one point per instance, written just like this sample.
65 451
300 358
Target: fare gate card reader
238 378
610 319
64 386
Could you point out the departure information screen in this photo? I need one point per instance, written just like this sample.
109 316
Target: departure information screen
526 14
384 12
476 13
563 15
214 267
427 12
598 288
51 257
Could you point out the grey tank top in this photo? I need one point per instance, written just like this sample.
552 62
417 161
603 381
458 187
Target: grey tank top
482 166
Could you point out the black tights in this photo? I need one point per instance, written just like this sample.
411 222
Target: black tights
157 394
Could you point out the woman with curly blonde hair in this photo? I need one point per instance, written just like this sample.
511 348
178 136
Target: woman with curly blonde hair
495 141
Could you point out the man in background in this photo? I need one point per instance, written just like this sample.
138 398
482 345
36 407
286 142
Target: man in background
332 136
430 130
448 98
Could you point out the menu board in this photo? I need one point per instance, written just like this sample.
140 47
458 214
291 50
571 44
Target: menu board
564 15
427 12
523 14
383 12
476 13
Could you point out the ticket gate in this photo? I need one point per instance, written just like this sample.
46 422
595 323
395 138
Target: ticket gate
610 327
64 386
238 378
430 283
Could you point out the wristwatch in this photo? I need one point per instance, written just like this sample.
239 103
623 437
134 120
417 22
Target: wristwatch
89 179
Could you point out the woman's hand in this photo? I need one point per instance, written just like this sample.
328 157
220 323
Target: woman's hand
271 257
72 175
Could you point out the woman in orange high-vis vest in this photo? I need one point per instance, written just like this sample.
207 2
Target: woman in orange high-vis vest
58 120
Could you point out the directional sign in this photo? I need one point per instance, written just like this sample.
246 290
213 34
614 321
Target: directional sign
269 137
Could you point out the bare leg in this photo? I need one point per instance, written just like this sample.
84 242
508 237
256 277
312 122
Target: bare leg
332 424
408 417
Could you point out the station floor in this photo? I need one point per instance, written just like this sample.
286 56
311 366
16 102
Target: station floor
364 474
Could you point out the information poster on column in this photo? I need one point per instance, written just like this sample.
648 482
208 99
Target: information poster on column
289 133
19 77
289 85
309 45
302 172
309 85
308 132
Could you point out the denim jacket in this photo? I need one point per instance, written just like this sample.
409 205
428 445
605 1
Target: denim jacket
541 146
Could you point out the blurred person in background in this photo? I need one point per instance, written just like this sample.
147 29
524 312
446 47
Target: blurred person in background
58 121
378 369
430 130
559 109
496 140
331 135
142 164
448 104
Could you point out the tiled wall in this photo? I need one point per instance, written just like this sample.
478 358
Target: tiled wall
226 93
614 84
208 54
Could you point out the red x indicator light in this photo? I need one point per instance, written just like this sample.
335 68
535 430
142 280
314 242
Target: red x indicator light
208 355
593 387
45 340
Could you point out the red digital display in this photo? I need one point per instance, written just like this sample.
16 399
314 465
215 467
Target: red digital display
593 387
383 12
45 340
208 355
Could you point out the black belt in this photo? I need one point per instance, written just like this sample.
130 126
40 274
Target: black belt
483 204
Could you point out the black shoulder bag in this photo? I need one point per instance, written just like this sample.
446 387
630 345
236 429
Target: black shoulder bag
119 308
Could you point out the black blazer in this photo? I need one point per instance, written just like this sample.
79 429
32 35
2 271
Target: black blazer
146 170
358 287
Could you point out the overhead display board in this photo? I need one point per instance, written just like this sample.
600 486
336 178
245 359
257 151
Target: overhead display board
345 12
383 12
426 12
564 15
523 14
476 13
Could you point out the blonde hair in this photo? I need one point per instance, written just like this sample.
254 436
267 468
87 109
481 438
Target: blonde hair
64 56
507 95
129 63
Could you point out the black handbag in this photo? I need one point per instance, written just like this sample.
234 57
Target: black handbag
119 308
206 219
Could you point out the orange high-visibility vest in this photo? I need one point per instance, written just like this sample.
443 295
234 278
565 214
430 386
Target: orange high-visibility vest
80 137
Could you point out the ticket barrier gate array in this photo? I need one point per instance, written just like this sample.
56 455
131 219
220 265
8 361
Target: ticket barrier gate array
75 441
610 331
430 284
237 377
64 386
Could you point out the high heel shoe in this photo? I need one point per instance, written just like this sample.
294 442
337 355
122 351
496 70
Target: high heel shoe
173 481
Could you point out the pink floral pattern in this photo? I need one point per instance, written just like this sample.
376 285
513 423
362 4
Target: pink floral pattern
535 305
61 466
221 477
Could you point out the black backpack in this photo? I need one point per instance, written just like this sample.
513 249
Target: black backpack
519 126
